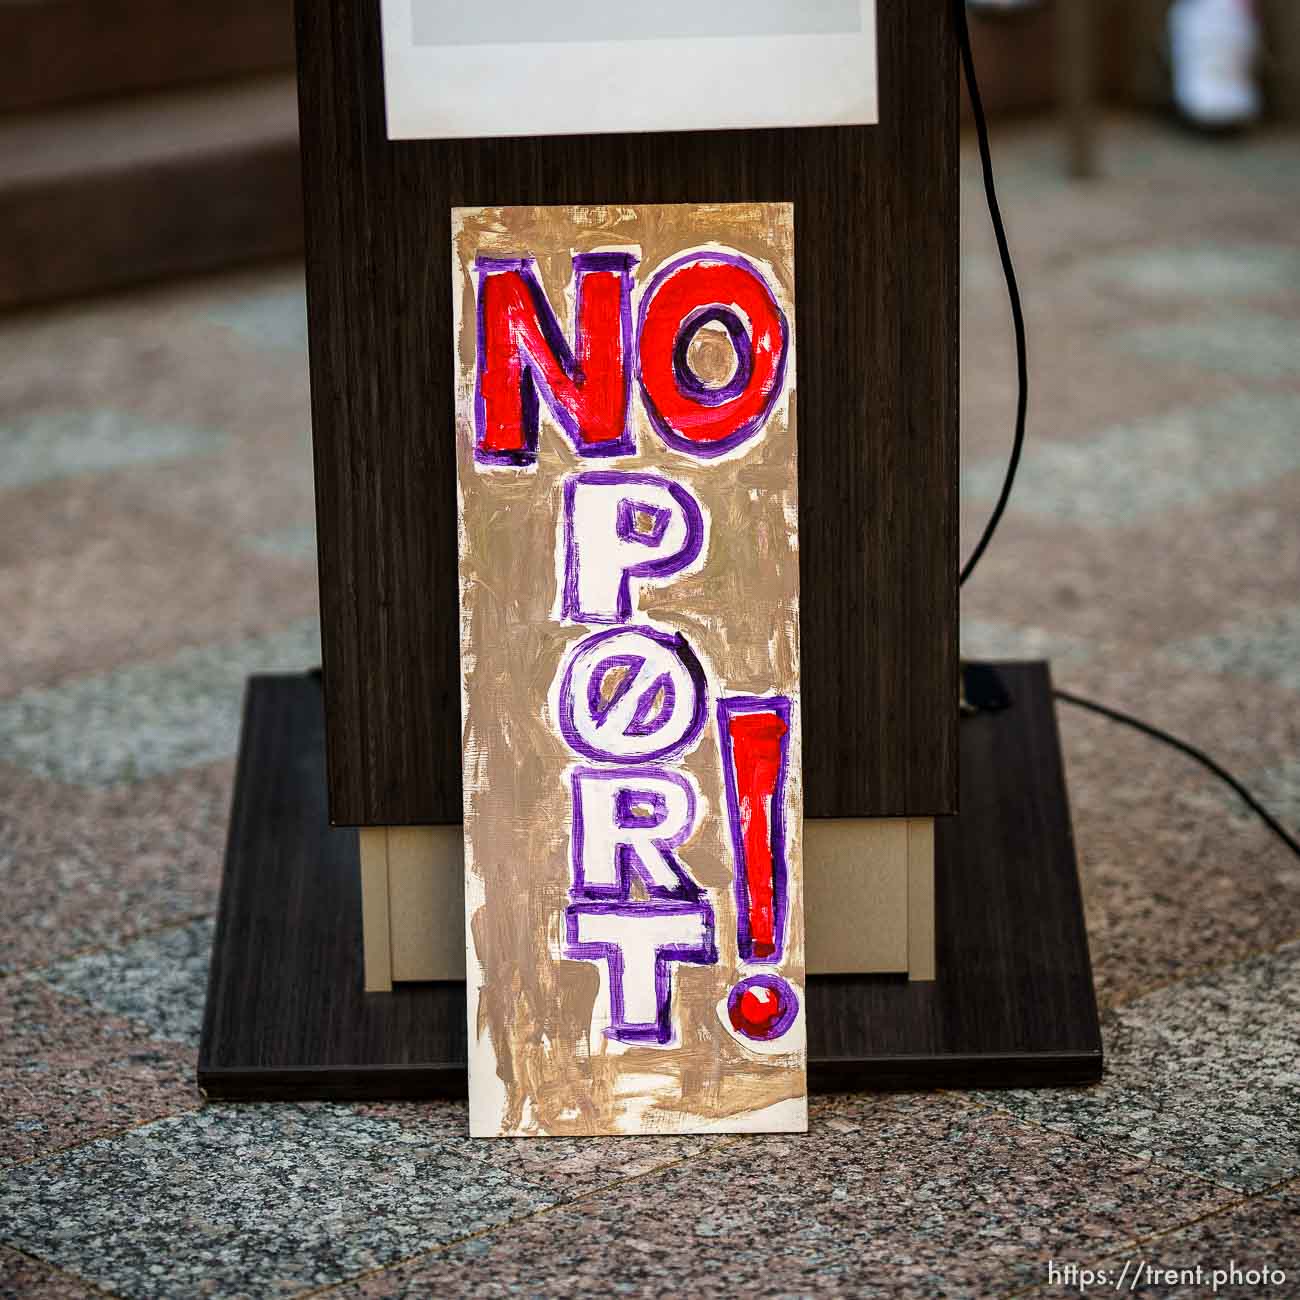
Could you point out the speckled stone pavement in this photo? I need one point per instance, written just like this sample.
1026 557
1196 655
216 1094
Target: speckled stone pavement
156 546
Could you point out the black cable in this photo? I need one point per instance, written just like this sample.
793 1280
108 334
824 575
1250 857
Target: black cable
1192 752
1018 443
1013 289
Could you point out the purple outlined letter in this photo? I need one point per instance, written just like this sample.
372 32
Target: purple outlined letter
522 353
710 288
639 942
631 695
618 527
629 820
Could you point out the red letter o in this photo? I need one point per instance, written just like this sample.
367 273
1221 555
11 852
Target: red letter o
697 290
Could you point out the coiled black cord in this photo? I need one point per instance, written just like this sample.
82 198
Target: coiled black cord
1018 443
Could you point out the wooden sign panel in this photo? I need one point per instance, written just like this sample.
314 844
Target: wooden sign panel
629 619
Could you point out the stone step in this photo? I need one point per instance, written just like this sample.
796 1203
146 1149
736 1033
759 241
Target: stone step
119 192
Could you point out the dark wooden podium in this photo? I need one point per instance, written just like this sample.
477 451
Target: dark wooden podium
876 227
376 743
1012 1004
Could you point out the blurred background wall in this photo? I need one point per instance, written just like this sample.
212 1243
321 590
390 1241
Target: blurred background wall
142 138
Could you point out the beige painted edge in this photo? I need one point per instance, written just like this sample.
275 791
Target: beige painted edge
855 895
375 922
921 963
426 900
428 933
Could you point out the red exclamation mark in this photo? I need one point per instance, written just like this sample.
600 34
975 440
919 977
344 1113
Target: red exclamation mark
755 739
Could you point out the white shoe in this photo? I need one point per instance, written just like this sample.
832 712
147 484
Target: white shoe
1213 45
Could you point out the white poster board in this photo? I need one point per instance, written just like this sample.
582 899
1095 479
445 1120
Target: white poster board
482 68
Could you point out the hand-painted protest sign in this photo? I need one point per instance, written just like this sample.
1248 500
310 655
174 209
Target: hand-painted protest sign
627 484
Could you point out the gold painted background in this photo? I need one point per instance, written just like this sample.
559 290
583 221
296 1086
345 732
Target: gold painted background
532 1014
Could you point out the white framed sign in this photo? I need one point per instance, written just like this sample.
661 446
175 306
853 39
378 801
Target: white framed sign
482 68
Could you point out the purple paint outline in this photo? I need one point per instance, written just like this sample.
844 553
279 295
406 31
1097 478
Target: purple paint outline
729 707
711 450
598 708
688 381
628 860
679 646
661 1029
530 380
642 723
663 566
789 1005
625 524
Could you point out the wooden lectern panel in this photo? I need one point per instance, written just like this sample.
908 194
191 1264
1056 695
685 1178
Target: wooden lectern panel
876 272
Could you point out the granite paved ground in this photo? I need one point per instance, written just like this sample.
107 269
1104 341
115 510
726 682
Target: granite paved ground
156 546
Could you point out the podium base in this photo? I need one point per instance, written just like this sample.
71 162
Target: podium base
287 1016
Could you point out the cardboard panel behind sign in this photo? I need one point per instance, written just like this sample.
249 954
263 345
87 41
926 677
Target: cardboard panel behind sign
629 581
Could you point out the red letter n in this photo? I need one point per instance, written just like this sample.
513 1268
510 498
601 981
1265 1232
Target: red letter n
522 355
